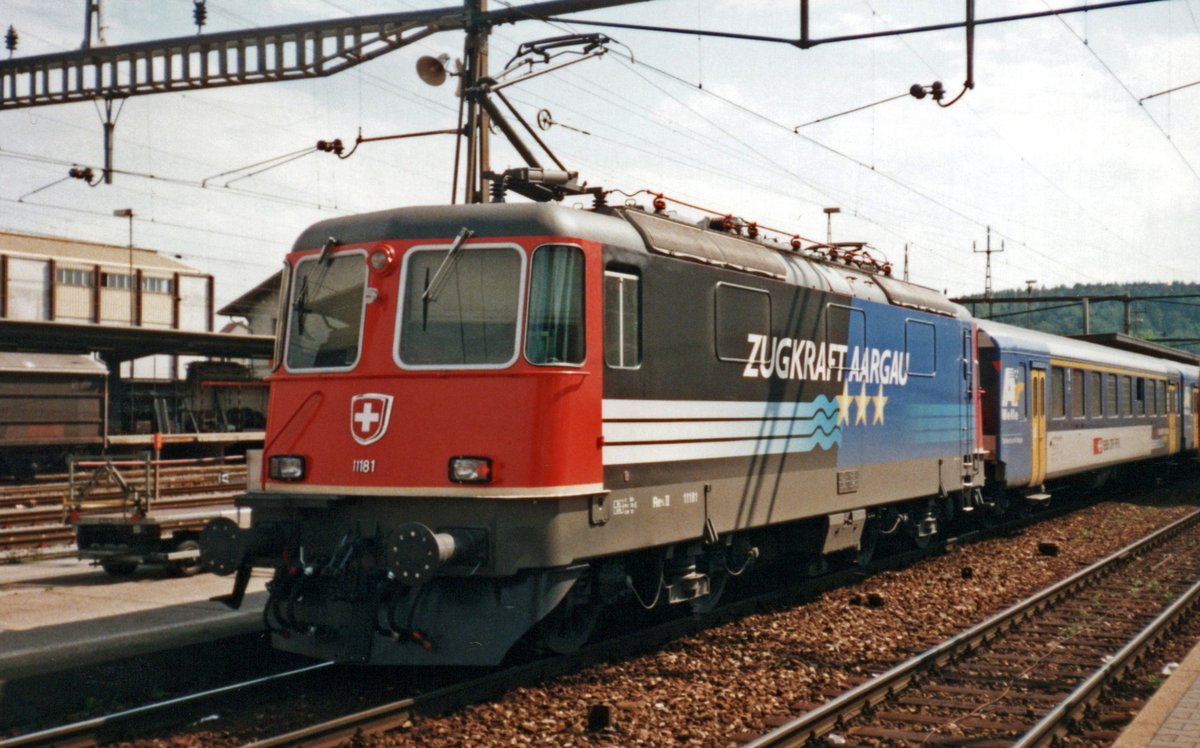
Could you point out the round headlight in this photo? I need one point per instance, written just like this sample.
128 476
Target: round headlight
382 260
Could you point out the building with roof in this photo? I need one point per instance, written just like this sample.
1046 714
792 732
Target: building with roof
259 307
51 279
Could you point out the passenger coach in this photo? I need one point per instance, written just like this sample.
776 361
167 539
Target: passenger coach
1055 406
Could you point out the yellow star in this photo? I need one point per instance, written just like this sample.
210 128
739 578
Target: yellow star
880 401
863 398
844 401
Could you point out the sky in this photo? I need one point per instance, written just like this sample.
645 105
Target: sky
1077 179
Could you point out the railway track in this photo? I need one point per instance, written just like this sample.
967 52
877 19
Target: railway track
130 723
427 697
1030 673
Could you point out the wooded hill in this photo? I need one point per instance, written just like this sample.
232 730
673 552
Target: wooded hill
1150 319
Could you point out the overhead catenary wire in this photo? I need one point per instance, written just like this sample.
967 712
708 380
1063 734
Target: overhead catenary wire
861 164
1092 51
775 166
761 180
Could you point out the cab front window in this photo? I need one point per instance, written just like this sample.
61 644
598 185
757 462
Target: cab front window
325 312
460 309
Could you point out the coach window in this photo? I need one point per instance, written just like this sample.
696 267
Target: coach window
1152 386
1160 396
554 328
1058 395
622 320
325 313
920 345
741 313
1095 395
1076 393
1110 395
1126 396
1139 396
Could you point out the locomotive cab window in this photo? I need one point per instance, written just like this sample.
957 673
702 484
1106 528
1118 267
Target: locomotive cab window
460 310
325 312
622 320
554 331
740 313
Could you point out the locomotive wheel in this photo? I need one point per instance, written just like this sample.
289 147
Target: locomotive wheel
118 568
867 543
188 567
717 581
569 626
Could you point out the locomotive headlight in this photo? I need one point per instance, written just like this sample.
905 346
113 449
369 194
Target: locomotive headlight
471 469
382 260
285 467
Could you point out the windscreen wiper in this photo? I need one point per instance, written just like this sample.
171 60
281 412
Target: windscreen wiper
443 271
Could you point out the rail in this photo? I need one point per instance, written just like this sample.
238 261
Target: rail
100 729
865 698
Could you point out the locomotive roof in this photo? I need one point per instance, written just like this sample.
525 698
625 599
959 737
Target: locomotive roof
629 228
1011 337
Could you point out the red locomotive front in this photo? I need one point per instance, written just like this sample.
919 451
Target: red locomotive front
433 438
446 367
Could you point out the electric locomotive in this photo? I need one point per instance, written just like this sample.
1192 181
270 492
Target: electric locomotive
491 421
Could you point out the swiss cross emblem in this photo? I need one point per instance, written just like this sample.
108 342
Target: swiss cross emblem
369 414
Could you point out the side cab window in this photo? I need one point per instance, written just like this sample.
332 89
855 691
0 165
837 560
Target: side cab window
622 318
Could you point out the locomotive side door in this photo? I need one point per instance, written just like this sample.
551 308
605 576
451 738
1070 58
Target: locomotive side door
966 404
1172 418
1037 425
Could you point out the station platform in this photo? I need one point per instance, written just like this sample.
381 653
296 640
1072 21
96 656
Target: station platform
62 614
1171 719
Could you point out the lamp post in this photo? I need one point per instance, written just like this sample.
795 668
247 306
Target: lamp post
128 213
829 223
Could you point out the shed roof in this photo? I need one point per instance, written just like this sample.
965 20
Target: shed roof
245 304
89 253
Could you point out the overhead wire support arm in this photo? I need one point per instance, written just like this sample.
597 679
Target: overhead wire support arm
234 58
805 41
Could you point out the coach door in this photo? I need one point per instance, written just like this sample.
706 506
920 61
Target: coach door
1037 425
1172 418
